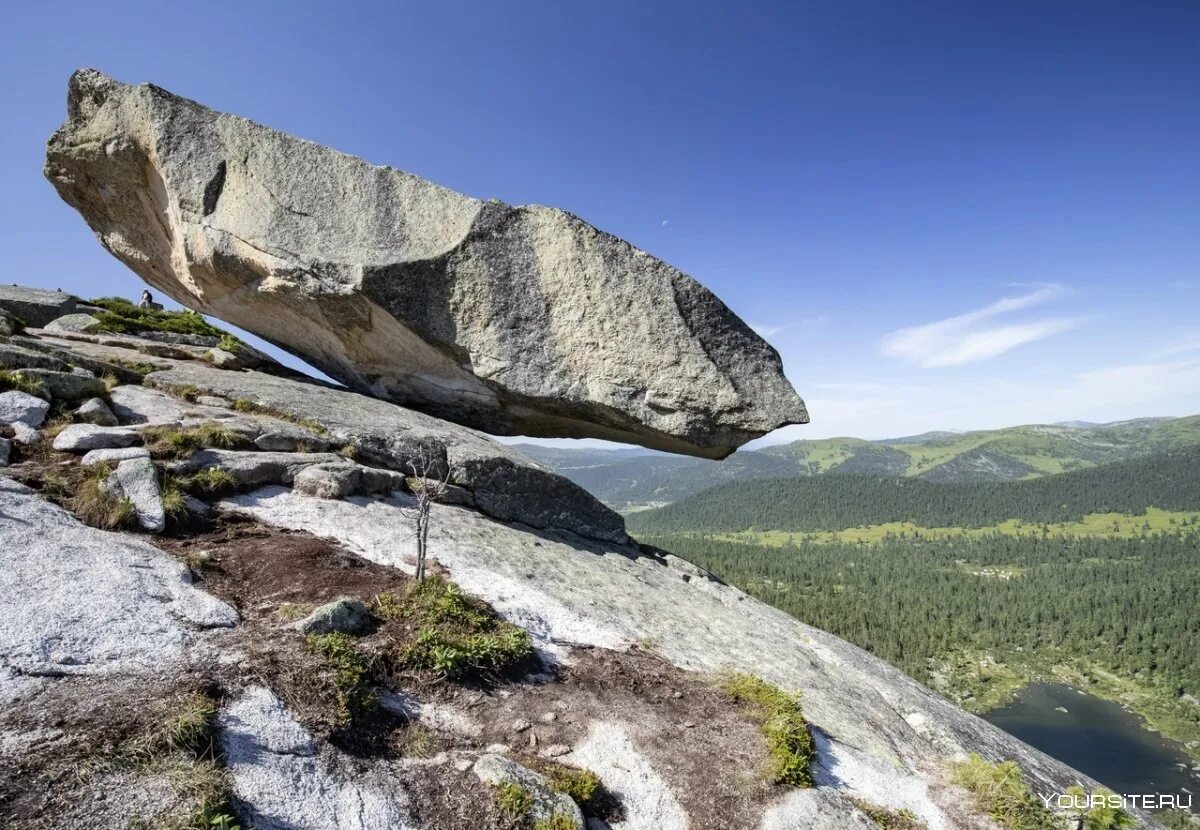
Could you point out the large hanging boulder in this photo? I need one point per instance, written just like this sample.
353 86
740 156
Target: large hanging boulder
514 320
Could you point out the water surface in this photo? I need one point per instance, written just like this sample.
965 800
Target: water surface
1099 738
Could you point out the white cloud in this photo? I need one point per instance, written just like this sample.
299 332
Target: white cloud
766 332
969 337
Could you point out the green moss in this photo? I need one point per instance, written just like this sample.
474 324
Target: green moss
123 317
1000 791
781 720
514 800
458 637
886 818
351 674
229 343
556 821
582 785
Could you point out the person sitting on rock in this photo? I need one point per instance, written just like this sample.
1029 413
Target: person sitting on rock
147 301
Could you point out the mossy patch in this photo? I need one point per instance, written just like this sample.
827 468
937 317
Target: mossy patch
120 316
209 483
1000 790
886 818
514 800
782 723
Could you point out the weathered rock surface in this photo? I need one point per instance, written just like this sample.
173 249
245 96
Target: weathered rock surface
501 482
85 323
82 437
35 306
347 615
281 782
20 407
90 602
9 324
5 451
113 456
67 386
514 320
328 481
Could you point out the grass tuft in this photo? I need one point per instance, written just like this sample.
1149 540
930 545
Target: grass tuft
514 800
1000 790
176 442
886 818
229 343
351 674
211 482
555 821
782 723
92 501
10 381
459 637
123 317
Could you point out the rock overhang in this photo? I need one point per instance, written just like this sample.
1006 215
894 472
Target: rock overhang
512 320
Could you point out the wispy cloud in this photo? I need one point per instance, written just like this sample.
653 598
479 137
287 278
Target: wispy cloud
766 332
976 335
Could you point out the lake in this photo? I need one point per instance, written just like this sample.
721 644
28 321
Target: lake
1099 738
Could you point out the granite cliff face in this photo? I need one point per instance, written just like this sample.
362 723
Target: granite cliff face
513 320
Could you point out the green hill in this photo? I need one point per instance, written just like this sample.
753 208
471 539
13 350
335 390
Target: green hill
634 479
1168 481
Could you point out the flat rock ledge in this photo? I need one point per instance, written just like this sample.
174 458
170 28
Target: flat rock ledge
514 320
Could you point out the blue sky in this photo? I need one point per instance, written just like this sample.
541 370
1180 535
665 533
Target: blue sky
944 215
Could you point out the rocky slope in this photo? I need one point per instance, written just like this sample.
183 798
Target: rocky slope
515 320
161 679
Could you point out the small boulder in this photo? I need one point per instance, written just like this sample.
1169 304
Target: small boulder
345 615
67 386
375 480
76 323
113 455
223 359
5 451
138 482
213 400
328 481
9 325
35 306
96 411
546 804
24 434
14 356
18 407
81 437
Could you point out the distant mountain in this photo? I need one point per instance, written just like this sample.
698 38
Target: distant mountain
630 479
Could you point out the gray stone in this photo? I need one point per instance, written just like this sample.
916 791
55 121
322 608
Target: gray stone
13 356
328 481
138 481
24 434
35 306
205 341
253 468
91 602
67 386
112 456
514 320
223 359
213 400
5 451
9 325
375 480
497 479
85 323
289 438
345 615
18 407
96 411
546 801
281 782
81 437
82 372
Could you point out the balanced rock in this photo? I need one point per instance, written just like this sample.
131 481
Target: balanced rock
514 320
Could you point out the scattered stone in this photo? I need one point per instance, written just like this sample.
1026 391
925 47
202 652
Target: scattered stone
513 320
556 751
80 437
96 411
25 435
546 802
9 325
84 323
109 456
223 359
35 306
18 407
138 481
346 615
463 764
67 386
328 481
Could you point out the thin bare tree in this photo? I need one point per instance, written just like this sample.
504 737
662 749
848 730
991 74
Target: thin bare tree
430 483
